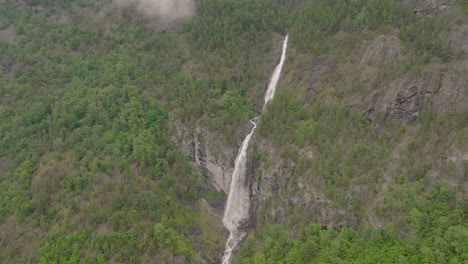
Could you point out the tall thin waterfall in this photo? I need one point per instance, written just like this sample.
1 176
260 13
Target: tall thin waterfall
276 74
238 203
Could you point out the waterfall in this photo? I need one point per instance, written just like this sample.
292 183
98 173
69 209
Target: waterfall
276 74
238 203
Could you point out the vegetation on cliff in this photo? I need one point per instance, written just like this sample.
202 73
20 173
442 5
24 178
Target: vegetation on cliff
89 102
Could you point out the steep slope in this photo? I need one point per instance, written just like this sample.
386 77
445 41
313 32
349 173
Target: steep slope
88 171
91 104
119 133
368 132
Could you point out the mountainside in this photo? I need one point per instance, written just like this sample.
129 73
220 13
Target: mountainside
119 131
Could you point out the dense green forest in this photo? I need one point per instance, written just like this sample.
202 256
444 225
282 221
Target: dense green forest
90 103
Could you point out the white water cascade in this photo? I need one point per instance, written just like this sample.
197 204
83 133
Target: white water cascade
238 203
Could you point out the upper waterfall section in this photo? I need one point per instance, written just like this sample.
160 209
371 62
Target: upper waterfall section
270 93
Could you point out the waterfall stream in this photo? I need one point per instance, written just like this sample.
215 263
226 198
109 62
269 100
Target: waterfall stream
237 207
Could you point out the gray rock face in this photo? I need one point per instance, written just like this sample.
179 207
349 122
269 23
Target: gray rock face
8 35
278 188
209 153
440 85
403 98
384 50
406 96
458 41
428 6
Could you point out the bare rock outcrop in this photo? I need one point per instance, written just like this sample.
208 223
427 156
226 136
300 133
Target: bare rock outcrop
458 41
406 96
442 86
208 152
428 6
8 34
383 50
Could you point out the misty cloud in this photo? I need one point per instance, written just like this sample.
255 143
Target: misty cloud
167 10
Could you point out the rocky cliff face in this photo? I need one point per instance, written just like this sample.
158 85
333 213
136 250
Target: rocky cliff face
208 153
429 6
277 189
369 80
372 71
405 97
441 85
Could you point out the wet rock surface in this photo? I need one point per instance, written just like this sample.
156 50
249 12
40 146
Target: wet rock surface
209 153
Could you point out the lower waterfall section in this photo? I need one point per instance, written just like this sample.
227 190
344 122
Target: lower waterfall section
238 204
